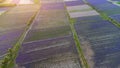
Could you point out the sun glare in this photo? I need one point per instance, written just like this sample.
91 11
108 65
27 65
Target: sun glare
26 2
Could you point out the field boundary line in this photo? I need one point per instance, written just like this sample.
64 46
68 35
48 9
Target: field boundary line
83 61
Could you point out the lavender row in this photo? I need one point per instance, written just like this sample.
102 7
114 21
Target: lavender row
92 2
49 49
44 43
74 3
49 24
9 39
66 60
41 34
105 6
52 6
88 19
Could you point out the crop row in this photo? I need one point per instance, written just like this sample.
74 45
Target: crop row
49 24
102 39
107 10
41 50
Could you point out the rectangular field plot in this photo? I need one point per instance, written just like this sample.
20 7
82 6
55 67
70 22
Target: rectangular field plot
50 1
66 60
83 14
100 43
96 2
74 3
17 17
42 44
69 0
51 18
95 18
52 6
105 6
41 34
112 11
81 11
46 49
49 24
108 8
79 8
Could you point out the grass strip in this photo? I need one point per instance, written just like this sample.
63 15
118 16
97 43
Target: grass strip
78 45
83 61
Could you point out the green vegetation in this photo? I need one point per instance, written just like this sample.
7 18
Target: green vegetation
9 60
78 45
118 2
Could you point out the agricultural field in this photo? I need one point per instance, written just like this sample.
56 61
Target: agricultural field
4 9
49 40
50 1
101 40
54 16
66 60
60 34
81 11
13 24
17 18
108 8
73 2
45 49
